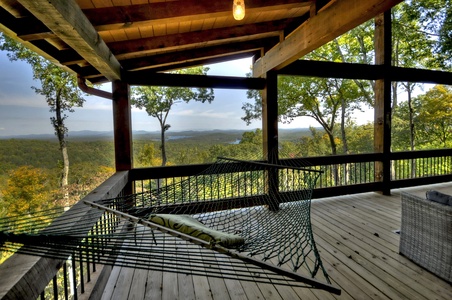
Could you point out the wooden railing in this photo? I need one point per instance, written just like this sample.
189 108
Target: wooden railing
342 174
28 277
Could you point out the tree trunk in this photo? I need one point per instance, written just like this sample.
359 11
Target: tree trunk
334 152
60 133
162 146
411 115
344 136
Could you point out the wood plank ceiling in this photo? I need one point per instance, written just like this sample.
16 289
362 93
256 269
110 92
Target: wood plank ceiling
103 40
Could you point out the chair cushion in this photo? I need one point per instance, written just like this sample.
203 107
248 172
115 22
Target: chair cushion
189 225
439 197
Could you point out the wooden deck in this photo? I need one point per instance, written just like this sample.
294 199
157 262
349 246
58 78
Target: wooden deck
358 245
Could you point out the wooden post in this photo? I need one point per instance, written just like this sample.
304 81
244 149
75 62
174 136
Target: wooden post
270 134
122 123
270 115
382 119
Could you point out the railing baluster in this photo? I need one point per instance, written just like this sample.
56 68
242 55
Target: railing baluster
55 287
74 277
65 283
82 277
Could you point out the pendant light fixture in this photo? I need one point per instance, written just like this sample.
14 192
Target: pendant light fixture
238 9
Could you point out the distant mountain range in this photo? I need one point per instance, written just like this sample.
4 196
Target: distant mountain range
152 135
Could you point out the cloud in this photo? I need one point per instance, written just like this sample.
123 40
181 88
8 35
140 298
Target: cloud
231 68
215 114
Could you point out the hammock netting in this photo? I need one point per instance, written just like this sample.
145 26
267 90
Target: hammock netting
265 205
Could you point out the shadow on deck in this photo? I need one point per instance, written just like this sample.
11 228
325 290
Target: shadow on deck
357 239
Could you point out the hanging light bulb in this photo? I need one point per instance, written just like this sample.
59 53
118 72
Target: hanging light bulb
238 9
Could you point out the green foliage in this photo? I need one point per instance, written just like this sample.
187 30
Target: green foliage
330 102
252 137
436 19
361 138
59 87
157 101
315 145
432 125
434 119
92 163
27 191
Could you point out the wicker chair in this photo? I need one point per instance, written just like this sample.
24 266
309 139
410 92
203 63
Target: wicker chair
426 234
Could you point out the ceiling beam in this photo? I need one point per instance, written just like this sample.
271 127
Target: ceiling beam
207 61
193 46
199 81
171 58
187 64
120 17
335 20
67 21
326 69
210 37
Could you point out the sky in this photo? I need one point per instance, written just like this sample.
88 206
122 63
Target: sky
23 112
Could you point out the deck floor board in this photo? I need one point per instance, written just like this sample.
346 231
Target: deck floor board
358 244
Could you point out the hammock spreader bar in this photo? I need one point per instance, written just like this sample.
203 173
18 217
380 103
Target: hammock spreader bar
234 254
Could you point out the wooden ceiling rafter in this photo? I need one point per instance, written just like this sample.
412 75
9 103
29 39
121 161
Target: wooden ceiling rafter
199 81
67 21
185 59
319 30
212 36
120 17
196 54
102 40
181 65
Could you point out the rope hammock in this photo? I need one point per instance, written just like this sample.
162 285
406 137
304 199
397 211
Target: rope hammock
243 220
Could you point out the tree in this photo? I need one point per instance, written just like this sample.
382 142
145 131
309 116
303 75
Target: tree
27 191
436 19
59 88
434 120
324 100
329 101
252 137
158 101
317 144
146 156
361 138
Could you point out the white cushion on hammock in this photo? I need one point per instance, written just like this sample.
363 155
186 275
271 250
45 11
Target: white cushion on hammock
190 226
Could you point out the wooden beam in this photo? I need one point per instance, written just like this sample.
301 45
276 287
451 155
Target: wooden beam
194 47
196 54
188 64
120 17
187 41
67 21
324 69
206 61
176 60
122 123
382 107
211 37
328 24
195 81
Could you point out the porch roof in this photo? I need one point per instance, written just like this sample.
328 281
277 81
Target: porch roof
106 40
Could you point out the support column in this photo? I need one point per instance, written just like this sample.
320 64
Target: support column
382 119
270 115
270 135
122 123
